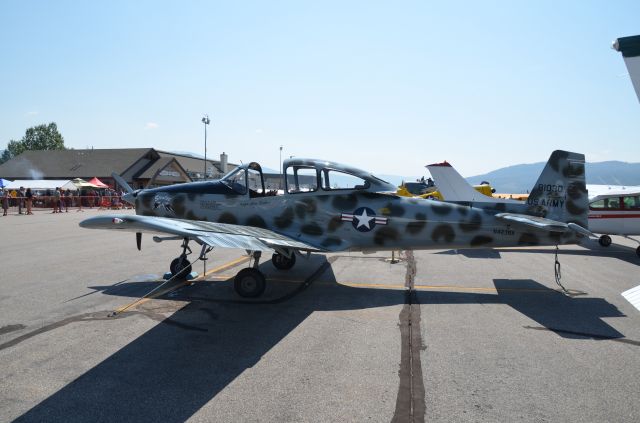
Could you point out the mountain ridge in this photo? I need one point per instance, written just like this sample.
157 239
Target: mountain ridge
520 178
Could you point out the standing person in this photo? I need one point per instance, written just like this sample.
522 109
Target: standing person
80 197
67 200
29 200
56 201
21 198
5 201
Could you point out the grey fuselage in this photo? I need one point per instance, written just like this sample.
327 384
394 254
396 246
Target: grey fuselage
322 218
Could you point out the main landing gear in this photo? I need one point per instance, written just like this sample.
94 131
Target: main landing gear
249 282
283 262
181 265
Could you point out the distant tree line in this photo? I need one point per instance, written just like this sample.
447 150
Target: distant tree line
40 137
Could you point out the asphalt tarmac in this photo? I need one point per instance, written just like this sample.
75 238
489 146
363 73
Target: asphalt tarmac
468 335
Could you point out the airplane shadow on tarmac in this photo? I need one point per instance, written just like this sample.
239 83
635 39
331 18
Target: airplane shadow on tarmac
592 249
171 371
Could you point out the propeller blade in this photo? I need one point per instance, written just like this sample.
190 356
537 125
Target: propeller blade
122 182
139 240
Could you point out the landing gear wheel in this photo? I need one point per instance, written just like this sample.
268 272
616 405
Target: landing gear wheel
638 251
249 283
605 240
180 265
282 262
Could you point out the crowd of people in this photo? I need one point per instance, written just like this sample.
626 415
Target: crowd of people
59 199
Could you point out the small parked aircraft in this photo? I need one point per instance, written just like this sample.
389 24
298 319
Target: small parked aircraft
611 211
615 212
329 207
630 49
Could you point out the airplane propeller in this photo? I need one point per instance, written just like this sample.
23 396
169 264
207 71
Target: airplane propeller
131 194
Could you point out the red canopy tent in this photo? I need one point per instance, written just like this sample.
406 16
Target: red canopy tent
97 182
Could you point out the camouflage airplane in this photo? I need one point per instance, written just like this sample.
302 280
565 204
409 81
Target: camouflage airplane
328 207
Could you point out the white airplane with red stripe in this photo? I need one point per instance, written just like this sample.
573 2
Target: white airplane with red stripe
614 211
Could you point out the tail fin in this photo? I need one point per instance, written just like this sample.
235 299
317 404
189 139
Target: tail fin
630 49
454 187
560 193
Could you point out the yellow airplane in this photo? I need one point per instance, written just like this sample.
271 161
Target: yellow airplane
427 189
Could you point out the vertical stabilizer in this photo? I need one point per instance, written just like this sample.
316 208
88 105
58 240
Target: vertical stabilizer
560 192
630 49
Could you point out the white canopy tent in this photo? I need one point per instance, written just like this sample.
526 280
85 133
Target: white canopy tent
42 184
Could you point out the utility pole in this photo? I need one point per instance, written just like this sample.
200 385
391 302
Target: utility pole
206 121
281 172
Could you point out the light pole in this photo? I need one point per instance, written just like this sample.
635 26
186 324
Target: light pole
206 121
281 172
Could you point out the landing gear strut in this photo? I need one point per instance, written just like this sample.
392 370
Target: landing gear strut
250 282
181 265
282 262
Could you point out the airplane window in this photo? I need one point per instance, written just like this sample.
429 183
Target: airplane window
301 179
606 203
254 178
632 202
236 181
334 179
597 205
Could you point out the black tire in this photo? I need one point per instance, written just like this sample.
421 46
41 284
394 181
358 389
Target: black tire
249 283
180 265
283 262
605 240
638 251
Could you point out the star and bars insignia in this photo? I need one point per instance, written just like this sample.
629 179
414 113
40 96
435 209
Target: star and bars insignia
363 219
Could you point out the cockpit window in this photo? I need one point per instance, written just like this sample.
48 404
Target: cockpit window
335 179
301 179
236 180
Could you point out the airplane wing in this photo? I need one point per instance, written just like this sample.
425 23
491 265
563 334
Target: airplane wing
534 221
211 233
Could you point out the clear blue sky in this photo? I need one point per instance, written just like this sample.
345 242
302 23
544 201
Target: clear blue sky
386 86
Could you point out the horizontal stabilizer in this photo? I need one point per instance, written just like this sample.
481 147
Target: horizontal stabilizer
534 222
579 229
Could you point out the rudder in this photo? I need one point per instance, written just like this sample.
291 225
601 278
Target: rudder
560 193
